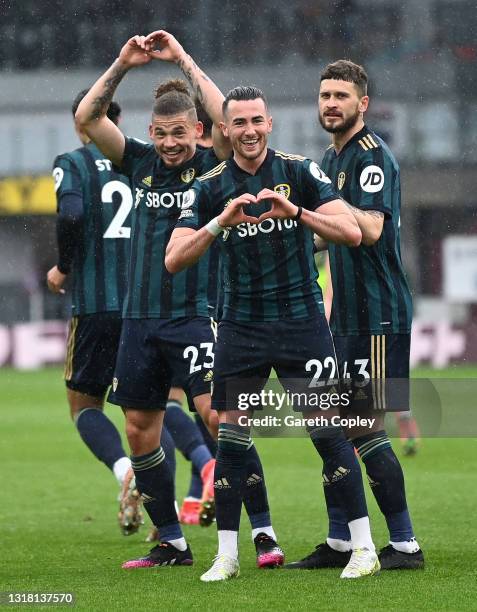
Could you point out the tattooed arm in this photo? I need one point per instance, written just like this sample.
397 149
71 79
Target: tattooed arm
370 223
91 114
208 94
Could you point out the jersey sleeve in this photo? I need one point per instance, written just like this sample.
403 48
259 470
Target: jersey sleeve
195 211
375 177
134 151
67 178
317 188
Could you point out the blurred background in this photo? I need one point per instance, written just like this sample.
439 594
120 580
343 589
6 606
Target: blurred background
421 58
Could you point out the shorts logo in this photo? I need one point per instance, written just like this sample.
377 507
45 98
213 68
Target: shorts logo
341 180
58 174
115 384
372 179
209 376
188 175
283 189
318 173
147 180
222 483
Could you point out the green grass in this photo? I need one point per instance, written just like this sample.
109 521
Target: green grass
58 529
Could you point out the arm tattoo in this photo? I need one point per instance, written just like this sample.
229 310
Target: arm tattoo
189 74
372 213
101 103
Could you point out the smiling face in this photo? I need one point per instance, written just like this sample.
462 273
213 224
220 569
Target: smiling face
175 137
247 125
340 106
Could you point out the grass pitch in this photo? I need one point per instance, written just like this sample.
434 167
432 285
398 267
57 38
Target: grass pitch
58 528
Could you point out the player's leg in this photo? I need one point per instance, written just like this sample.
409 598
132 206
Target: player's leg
307 348
235 461
408 432
389 371
89 365
189 440
141 386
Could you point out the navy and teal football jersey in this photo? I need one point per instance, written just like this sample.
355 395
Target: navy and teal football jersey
159 192
99 271
370 290
268 269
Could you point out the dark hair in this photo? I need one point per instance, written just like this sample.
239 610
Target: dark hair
173 97
113 112
345 70
204 118
243 93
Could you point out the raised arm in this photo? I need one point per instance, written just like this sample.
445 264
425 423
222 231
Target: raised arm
332 221
91 114
208 94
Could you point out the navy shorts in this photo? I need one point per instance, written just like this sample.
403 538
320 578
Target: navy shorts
91 351
300 351
154 352
376 370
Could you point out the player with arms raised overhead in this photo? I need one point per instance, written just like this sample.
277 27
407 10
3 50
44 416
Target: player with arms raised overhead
273 313
371 310
166 328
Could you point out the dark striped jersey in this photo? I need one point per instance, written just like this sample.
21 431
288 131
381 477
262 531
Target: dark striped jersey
99 269
370 290
269 273
159 192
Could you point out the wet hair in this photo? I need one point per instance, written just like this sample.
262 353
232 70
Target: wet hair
113 113
172 98
204 118
345 70
244 93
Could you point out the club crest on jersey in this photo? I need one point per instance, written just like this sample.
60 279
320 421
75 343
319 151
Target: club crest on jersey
283 189
147 180
187 175
341 180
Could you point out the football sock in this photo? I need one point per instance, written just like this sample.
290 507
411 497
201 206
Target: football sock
228 543
361 533
155 483
338 530
341 470
229 475
195 486
267 529
409 547
254 490
100 435
387 483
339 545
186 434
169 448
121 468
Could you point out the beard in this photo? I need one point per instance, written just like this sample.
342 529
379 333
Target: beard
341 128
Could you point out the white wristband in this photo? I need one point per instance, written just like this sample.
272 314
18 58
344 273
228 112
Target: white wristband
214 228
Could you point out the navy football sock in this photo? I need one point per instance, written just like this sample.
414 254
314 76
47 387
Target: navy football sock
341 471
387 483
254 491
195 485
100 435
229 475
155 483
208 439
168 446
186 435
337 522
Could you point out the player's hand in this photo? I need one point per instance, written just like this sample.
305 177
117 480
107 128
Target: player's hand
233 214
55 280
136 52
281 207
163 46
